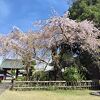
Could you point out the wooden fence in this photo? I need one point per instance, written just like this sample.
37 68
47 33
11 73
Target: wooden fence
30 85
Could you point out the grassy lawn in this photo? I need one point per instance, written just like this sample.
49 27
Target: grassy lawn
48 95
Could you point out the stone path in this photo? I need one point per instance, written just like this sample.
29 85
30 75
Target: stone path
4 86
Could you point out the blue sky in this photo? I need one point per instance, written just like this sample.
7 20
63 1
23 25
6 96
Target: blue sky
22 13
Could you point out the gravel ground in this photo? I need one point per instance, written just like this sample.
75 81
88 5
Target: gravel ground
4 86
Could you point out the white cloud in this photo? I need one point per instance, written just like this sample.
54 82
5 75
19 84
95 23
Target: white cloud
4 9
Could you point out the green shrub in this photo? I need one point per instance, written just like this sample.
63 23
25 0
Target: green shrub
20 78
40 75
72 74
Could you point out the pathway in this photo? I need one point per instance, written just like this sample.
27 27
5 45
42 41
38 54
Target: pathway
4 86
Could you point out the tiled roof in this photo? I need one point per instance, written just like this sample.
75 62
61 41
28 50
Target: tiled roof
12 64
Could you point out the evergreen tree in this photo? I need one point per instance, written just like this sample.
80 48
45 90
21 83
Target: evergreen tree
85 9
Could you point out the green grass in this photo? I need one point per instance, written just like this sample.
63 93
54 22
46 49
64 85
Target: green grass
48 95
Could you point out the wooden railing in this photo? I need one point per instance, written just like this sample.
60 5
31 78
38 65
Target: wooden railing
30 85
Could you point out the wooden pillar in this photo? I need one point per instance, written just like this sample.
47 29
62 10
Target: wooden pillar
16 73
5 72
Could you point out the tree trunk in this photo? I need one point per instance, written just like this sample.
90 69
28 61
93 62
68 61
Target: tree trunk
28 71
27 76
57 67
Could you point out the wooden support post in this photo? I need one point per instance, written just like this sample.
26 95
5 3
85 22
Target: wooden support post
16 73
5 72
